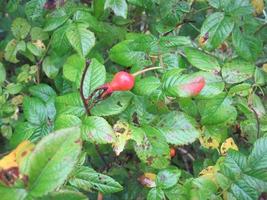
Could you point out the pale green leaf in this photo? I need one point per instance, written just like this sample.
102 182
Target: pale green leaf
52 160
97 130
81 39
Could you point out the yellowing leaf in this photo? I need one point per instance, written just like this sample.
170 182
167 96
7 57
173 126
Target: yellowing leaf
148 180
15 157
9 165
209 173
228 144
209 142
258 6
123 134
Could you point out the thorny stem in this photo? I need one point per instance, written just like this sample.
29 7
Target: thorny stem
145 70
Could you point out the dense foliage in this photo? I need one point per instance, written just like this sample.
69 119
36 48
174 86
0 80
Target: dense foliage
193 127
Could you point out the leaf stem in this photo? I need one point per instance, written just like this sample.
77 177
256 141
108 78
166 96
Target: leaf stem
146 70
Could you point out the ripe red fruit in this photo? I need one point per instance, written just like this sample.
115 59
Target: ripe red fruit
194 87
122 81
172 152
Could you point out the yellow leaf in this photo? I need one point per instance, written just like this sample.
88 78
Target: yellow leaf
9 165
148 180
258 6
209 173
39 44
228 144
15 157
209 142
123 134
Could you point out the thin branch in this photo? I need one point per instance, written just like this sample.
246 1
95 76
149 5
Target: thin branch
257 121
185 152
85 103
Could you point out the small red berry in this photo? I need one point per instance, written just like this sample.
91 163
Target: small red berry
172 152
122 81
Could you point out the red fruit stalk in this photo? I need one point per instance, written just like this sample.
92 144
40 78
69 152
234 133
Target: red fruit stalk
194 87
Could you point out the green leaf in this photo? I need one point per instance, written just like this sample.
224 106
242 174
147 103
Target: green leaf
237 70
146 86
38 34
66 121
156 194
257 160
2 73
8 193
70 103
12 49
216 110
51 66
247 174
73 68
178 128
233 7
217 27
42 91
59 41
86 178
113 105
127 53
97 130
168 42
20 28
240 89
94 77
81 39
167 178
65 194
248 47
153 150
35 8
55 20
35 49
118 6
23 131
34 110
52 160
202 60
